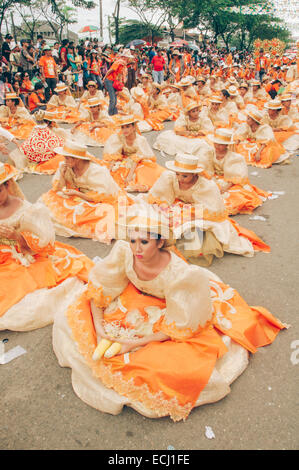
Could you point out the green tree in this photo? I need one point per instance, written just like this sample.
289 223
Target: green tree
5 6
134 29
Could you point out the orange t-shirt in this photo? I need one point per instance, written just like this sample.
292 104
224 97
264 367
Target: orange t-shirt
34 100
49 65
116 71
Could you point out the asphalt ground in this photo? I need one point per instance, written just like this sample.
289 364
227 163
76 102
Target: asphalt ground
40 411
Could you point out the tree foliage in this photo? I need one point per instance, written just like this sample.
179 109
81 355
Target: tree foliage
134 29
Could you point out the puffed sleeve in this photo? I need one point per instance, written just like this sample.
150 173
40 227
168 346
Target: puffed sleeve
242 131
180 123
264 134
144 147
235 169
188 302
37 228
113 148
163 189
108 278
98 178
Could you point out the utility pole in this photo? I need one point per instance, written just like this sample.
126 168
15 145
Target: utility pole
101 20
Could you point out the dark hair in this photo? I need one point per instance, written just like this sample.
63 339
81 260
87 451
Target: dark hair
38 86
225 93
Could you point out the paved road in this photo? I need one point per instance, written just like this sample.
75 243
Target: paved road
39 409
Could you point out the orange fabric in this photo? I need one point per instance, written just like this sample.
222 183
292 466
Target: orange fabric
21 130
169 376
257 242
50 166
34 100
65 114
117 71
16 281
269 154
48 65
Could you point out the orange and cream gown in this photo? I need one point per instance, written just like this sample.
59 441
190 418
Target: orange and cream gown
220 118
242 197
139 108
37 283
94 137
74 217
19 123
251 142
36 154
207 210
64 109
211 332
288 135
257 98
120 157
171 143
158 112
188 94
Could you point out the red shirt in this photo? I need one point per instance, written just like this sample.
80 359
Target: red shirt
158 63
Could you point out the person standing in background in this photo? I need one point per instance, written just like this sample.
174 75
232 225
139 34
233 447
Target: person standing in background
48 68
158 66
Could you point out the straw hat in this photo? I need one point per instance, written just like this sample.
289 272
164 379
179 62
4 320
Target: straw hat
146 219
201 79
191 105
184 163
145 75
233 91
126 53
42 115
91 83
222 136
11 96
255 83
215 99
158 86
244 85
232 80
125 120
176 52
137 92
94 102
73 149
286 97
60 87
273 104
256 115
7 172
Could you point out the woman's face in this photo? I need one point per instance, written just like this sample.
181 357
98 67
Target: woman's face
251 122
186 179
220 149
215 106
92 89
70 161
242 91
194 113
11 104
128 130
273 113
144 247
3 193
95 109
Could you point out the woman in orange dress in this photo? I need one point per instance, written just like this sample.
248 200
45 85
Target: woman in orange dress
182 335
158 108
191 199
15 117
84 199
38 276
96 126
189 132
63 105
256 141
130 159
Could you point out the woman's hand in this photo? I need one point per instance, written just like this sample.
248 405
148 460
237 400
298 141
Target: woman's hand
71 192
9 233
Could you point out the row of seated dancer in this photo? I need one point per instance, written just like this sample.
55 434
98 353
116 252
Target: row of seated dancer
152 296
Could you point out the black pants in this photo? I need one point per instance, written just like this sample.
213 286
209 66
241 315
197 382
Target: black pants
51 82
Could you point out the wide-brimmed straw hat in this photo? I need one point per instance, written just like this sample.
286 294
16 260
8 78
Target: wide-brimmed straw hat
222 136
201 79
176 52
144 219
255 83
44 115
184 163
273 104
244 85
191 105
61 87
126 53
11 96
73 149
94 102
286 97
256 115
215 99
233 91
125 120
7 172
91 83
